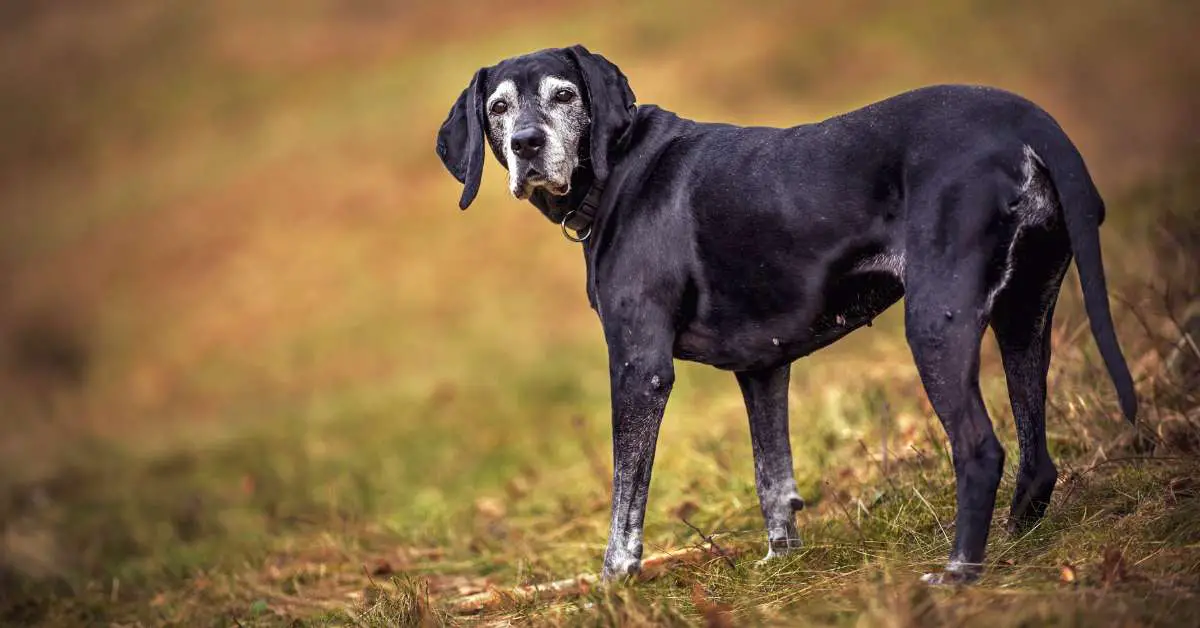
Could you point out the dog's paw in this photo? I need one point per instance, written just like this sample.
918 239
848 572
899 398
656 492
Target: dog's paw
955 574
780 547
775 554
620 568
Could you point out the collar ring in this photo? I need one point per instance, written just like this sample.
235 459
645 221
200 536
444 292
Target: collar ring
566 231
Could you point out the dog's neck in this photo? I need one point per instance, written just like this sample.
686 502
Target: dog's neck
577 209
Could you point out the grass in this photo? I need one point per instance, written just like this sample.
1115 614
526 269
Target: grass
300 520
257 370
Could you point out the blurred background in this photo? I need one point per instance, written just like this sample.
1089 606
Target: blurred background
234 280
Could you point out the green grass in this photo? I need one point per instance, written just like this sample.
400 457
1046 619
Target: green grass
312 391
391 506
280 525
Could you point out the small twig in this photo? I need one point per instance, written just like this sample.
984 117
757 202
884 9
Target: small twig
492 598
712 542
367 572
655 565
1148 557
652 567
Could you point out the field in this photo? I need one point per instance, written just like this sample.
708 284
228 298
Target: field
257 369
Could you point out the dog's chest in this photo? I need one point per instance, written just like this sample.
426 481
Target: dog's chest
773 318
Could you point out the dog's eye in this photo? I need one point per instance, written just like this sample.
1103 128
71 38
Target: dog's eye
499 107
564 95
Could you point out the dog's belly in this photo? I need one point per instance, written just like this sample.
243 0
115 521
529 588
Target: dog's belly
768 339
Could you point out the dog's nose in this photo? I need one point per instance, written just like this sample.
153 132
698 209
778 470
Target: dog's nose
527 142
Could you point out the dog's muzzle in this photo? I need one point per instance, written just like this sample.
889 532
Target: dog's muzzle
531 170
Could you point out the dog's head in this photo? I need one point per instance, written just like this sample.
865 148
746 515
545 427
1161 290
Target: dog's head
545 115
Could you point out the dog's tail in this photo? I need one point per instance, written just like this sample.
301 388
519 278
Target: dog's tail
1083 211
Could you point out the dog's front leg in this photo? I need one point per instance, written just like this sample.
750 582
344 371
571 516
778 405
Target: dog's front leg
766 396
641 375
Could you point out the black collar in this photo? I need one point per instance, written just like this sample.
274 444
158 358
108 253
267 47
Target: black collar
581 218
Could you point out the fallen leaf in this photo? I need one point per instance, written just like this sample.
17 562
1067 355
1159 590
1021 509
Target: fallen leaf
1067 574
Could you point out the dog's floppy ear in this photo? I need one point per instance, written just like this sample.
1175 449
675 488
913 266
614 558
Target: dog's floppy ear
460 140
611 103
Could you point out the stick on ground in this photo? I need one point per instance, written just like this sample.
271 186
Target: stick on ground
652 567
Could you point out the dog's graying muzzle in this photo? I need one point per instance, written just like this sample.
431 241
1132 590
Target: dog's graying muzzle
528 142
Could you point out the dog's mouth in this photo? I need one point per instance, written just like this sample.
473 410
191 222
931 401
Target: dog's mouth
533 179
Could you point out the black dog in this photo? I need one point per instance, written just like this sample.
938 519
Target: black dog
749 247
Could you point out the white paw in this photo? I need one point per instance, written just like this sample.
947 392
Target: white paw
956 573
620 567
780 548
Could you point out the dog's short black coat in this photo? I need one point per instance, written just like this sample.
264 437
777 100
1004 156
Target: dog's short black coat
749 247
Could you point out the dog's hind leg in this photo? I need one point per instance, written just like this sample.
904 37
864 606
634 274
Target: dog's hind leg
951 249
1021 320
947 359
766 395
